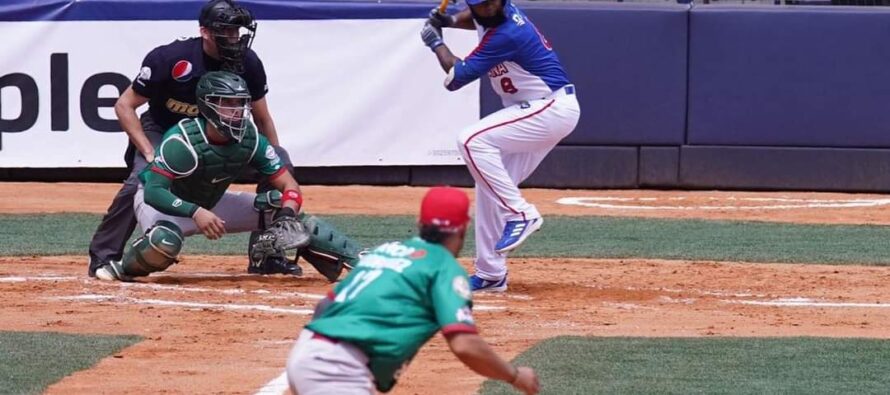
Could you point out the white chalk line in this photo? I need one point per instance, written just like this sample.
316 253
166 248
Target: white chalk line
496 295
228 291
784 302
277 386
198 305
805 302
594 201
221 306
19 279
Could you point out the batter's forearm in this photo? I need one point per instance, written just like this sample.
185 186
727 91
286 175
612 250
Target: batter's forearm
446 59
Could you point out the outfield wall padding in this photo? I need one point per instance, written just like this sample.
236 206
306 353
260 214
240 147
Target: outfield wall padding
782 76
672 96
629 65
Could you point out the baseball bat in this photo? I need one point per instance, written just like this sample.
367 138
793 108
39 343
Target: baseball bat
443 6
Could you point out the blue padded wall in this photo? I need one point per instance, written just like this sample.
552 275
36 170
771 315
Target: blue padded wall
587 167
785 168
628 63
789 76
659 167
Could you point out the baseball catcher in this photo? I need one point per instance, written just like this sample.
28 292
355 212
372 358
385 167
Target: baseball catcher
184 190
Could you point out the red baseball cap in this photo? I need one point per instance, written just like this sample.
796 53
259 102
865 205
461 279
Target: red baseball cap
446 208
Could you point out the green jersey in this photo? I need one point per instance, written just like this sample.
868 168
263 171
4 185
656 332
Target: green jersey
397 297
190 171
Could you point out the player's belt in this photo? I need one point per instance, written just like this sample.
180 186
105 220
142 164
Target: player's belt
319 336
564 91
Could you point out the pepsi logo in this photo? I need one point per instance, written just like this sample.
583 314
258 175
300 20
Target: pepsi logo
182 71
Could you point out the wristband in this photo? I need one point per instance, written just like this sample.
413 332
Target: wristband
293 195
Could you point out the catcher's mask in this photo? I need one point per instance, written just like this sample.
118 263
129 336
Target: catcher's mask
224 100
232 28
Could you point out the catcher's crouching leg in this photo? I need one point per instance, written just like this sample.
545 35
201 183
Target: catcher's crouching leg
329 250
265 262
153 252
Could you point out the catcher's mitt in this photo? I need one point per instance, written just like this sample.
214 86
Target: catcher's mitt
285 233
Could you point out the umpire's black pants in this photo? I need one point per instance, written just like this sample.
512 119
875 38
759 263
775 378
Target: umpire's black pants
119 222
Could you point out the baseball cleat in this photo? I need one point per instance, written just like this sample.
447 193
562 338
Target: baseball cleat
112 271
515 232
94 264
478 284
275 265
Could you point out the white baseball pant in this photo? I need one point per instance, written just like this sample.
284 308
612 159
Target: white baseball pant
501 151
235 208
321 367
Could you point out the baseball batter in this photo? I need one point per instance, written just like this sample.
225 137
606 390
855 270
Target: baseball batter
504 148
398 296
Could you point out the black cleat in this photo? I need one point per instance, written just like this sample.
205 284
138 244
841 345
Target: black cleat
94 264
275 265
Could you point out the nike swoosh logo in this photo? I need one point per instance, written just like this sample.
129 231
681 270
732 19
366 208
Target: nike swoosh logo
164 241
217 180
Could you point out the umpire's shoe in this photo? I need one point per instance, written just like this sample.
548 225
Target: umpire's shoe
275 265
112 271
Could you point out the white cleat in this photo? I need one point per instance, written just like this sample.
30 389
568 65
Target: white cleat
113 271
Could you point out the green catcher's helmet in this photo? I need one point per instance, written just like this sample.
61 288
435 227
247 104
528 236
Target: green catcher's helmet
224 100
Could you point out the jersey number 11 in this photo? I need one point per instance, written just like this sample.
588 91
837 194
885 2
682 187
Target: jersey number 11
358 283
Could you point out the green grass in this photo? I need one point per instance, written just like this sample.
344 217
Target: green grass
31 361
575 365
589 237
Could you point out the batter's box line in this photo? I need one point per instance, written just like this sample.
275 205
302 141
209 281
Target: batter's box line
219 306
194 305
806 302
597 202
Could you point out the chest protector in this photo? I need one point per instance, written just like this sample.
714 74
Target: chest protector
218 165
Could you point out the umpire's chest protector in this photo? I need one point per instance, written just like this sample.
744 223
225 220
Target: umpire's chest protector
218 165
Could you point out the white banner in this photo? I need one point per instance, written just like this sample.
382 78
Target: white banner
341 92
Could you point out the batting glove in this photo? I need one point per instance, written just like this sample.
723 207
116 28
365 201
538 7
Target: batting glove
432 37
439 20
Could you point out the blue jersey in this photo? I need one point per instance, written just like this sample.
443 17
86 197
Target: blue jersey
518 59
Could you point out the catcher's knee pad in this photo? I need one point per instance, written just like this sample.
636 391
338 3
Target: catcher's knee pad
155 251
329 250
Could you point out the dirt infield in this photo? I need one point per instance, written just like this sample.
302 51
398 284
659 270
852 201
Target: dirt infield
211 328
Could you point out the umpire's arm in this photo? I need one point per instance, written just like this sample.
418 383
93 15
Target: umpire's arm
125 109
263 120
